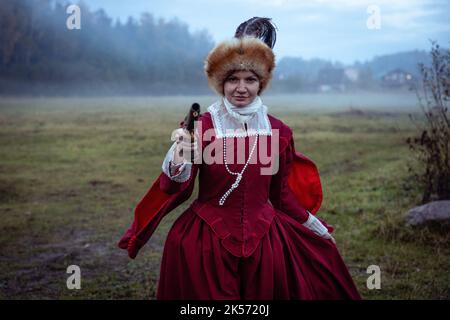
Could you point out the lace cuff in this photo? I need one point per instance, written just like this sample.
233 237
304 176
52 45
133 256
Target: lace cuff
316 226
176 172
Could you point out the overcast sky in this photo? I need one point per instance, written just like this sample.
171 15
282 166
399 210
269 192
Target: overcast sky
335 30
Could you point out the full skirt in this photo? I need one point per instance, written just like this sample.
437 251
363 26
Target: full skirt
290 262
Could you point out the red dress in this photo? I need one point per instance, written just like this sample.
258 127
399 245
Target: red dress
252 247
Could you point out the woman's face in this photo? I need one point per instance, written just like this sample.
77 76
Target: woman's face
241 87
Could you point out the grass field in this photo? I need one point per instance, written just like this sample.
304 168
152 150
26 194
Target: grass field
72 169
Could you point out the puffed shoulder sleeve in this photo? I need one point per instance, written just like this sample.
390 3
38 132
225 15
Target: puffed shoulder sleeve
281 195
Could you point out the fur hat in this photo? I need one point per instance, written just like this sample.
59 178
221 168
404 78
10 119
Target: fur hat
250 50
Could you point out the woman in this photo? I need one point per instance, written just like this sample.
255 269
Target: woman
249 234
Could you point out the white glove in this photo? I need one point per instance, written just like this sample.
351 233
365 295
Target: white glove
317 227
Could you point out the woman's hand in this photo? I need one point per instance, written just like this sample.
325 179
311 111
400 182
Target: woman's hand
318 228
329 237
184 146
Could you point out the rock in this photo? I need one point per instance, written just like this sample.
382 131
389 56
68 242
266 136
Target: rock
436 211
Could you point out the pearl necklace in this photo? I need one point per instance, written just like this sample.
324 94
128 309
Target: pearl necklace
238 174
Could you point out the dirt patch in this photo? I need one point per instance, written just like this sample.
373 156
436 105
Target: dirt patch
9 192
98 183
108 185
42 267
62 194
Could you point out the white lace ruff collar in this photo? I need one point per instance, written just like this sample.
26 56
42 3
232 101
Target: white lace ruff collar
227 126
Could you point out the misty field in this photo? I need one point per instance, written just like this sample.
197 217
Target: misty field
72 170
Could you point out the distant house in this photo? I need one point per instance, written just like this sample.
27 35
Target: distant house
352 74
397 78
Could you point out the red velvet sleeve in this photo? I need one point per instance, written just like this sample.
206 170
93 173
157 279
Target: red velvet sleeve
152 208
281 195
170 186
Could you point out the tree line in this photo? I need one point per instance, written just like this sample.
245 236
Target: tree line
39 54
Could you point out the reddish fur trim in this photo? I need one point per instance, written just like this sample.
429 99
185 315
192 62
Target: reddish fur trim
247 53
